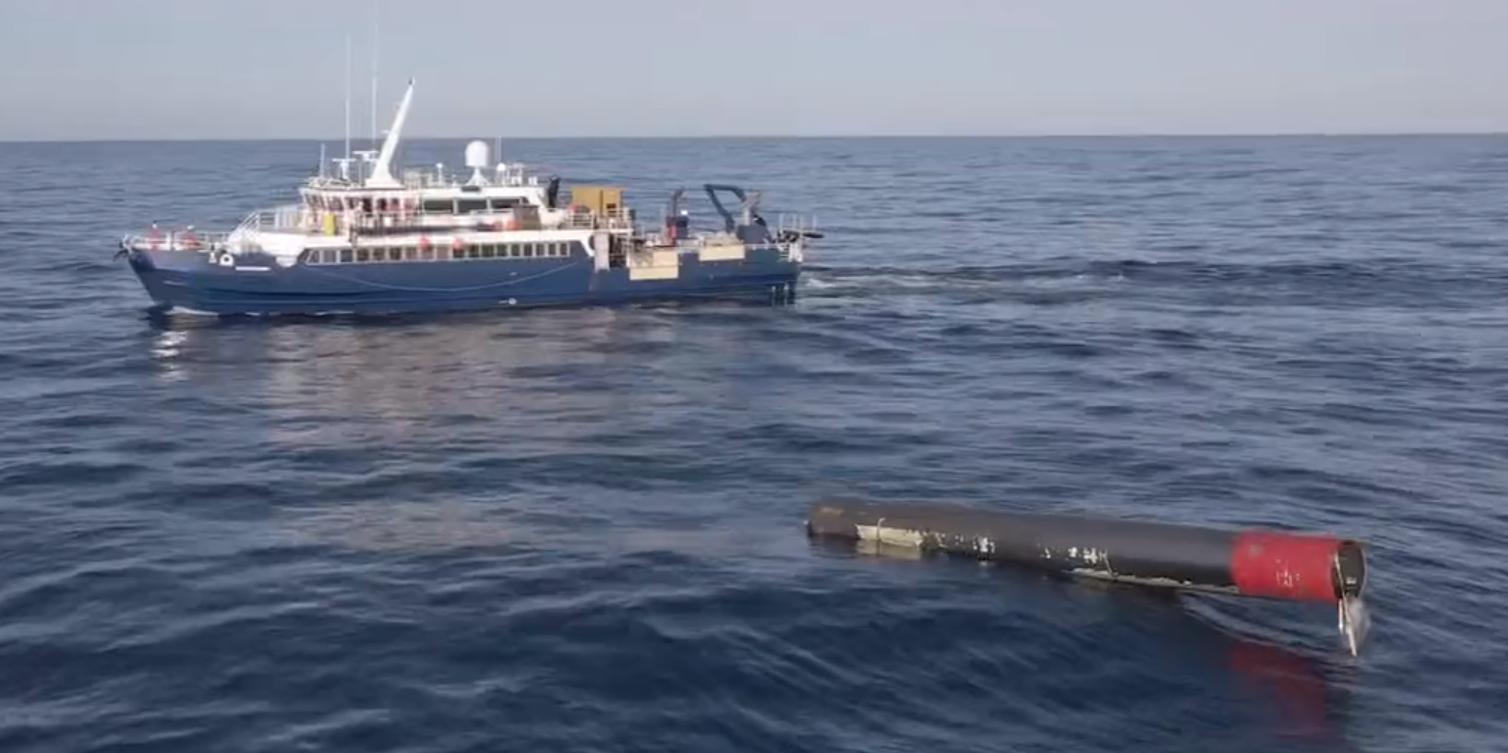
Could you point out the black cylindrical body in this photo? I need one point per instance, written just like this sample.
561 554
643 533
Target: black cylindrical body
1249 563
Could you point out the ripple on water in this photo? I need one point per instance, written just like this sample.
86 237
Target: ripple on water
583 529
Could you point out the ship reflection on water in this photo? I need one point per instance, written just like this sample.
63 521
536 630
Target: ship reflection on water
393 380
444 432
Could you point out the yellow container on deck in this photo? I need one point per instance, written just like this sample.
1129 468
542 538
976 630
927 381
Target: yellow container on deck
602 200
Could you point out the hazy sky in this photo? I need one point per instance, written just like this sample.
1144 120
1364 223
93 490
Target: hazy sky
275 68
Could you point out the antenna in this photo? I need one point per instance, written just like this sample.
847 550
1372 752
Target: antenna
348 95
376 39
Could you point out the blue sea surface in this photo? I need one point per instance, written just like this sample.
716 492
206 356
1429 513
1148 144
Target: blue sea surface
583 530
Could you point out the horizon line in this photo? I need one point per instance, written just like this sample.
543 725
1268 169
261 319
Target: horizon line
778 136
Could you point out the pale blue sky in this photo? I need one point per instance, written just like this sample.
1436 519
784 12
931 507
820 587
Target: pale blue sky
274 68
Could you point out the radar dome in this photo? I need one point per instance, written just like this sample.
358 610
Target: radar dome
477 156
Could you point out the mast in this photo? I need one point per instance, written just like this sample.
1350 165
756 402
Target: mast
376 39
348 95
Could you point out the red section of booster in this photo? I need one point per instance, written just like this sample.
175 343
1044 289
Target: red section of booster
1285 565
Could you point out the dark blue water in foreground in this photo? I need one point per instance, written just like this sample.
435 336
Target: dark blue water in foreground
582 530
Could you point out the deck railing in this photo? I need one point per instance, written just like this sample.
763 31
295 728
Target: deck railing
358 172
795 222
512 176
301 219
298 218
176 240
618 219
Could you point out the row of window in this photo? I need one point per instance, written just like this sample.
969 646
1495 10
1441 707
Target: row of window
463 205
366 254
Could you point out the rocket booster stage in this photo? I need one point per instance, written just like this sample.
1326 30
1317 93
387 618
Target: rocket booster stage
1263 564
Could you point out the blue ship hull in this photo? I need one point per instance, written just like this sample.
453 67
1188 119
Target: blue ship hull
257 285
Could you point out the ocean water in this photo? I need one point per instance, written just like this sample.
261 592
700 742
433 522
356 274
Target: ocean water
582 530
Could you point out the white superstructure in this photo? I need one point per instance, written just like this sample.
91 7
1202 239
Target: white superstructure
361 200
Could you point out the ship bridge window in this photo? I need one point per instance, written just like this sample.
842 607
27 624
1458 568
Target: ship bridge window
439 206
468 206
508 202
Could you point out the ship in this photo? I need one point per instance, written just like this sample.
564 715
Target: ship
362 241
